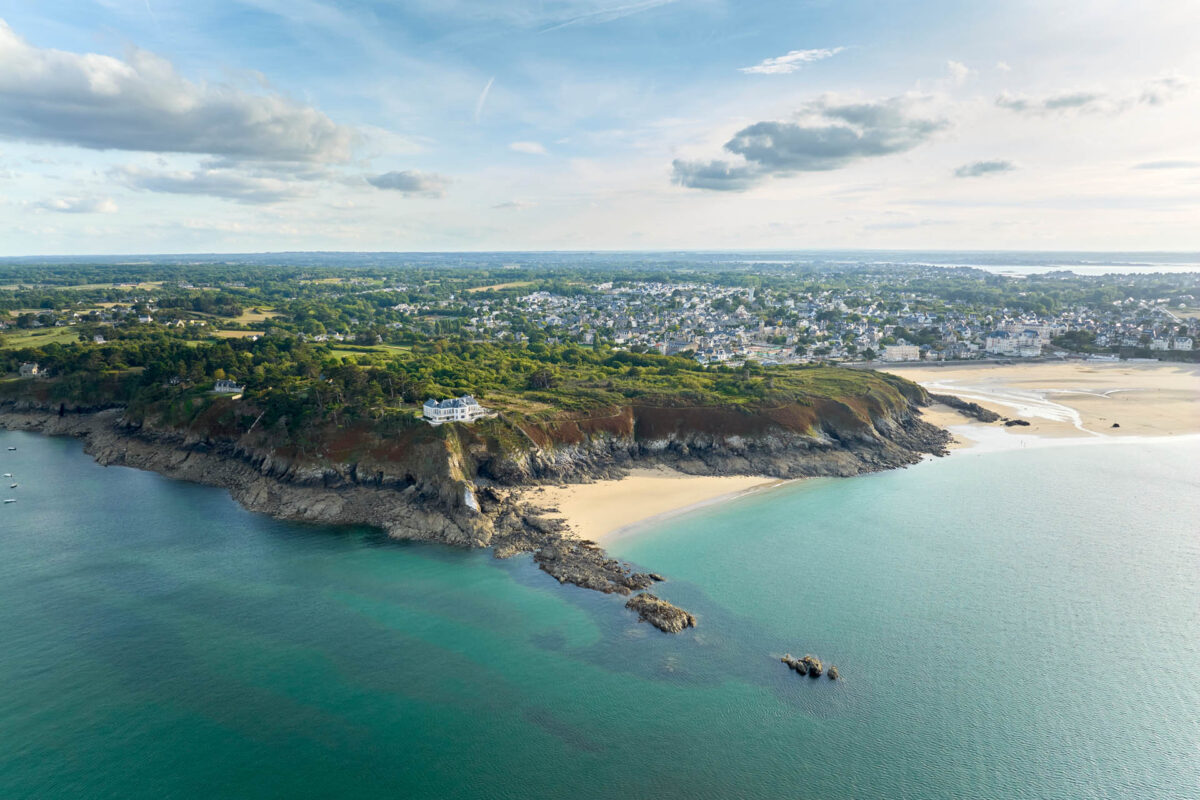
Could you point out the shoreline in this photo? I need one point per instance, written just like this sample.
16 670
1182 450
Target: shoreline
606 510
1070 399
1066 403
447 507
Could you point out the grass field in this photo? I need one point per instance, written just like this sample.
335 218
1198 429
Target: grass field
236 334
358 350
250 316
14 338
498 286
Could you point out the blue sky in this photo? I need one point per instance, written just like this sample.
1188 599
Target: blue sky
236 125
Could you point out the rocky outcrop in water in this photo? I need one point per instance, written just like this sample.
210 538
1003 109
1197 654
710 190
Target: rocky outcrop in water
661 614
966 407
809 665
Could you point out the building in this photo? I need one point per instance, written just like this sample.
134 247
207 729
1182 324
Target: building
901 352
1181 343
31 370
228 387
456 409
1023 345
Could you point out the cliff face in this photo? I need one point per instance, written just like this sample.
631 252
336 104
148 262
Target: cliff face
459 484
827 438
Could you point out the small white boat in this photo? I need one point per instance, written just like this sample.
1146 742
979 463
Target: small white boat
8 474
12 448
13 486
10 500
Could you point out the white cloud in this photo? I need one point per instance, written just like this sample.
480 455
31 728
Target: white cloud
827 134
977 169
792 61
528 148
141 103
222 183
483 96
1155 92
411 183
1169 164
959 72
80 205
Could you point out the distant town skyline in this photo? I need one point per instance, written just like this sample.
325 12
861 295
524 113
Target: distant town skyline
253 125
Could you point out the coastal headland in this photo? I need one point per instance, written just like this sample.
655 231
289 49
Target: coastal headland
468 485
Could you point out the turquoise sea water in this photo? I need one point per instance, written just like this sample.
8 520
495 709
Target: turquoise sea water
1009 625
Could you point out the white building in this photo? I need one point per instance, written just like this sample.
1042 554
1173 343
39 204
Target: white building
901 352
1023 345
1160 344
228 387
1181 343
30 370
456 409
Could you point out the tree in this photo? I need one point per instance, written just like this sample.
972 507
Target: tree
541 379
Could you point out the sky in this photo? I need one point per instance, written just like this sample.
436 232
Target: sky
171 126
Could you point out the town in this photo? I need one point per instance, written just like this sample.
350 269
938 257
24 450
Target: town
778 317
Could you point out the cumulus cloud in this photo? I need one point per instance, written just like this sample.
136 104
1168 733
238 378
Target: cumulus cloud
410 183
222 183
978 169
80 205
1156 92
529 148
141 103
718 175
790 62
826 135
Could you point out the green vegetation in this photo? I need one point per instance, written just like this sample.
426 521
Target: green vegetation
299 383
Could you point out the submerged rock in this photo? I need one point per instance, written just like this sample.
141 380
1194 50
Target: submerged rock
1011 422
661 614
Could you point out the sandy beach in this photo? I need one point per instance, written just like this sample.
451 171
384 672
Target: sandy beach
602 509
1069 398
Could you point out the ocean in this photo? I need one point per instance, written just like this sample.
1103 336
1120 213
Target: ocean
1016 624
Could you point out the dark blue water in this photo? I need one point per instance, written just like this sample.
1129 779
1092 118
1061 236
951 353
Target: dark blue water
1020 624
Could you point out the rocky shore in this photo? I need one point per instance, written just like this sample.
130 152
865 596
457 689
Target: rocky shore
966 407
469 496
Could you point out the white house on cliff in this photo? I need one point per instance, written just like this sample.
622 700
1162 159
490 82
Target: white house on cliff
456 409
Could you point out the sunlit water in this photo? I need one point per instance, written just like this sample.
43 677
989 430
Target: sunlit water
1009 625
